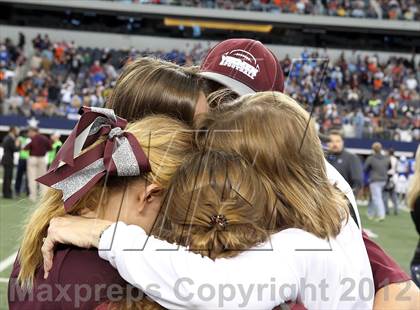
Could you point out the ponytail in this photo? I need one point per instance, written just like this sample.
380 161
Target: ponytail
218 206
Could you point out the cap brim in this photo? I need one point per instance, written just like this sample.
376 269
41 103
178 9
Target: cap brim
236 86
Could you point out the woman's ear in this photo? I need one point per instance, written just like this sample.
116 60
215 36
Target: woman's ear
152 192
144 195
149 197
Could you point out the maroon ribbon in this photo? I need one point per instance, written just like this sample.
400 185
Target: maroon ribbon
75 171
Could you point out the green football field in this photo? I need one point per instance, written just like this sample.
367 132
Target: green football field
396 234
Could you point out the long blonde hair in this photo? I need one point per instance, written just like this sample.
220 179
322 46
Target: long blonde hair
414 190
164 140
268 129
217 205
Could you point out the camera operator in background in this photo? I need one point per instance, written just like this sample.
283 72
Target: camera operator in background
346 163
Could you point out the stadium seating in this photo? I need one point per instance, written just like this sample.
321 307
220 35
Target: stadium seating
387 9
362 95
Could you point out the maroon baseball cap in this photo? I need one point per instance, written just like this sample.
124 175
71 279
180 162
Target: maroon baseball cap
245 66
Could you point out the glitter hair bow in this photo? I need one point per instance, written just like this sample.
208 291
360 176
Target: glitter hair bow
75 171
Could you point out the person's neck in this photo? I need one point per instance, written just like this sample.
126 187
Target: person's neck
112 206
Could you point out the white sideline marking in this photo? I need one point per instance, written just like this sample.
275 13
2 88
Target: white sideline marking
7 261
4 280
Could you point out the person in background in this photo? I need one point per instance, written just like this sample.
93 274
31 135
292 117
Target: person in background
413 201
346 163
37 164
402 180
22 40
390 190
56 144
377 165
359 123
10 146
21 173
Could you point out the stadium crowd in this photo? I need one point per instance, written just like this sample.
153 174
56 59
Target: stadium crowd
362 95
387 9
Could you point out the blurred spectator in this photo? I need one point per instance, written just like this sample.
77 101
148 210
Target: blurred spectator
10 146
402 181
359 123
21 173
390 186
346 163
37 165
56 145
377 165
22 41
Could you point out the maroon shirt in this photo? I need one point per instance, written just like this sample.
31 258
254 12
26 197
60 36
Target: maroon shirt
39 145
384 269
79 279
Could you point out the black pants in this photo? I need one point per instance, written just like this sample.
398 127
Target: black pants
21 176
7 181
415 266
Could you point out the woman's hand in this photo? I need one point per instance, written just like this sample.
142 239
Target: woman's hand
76 230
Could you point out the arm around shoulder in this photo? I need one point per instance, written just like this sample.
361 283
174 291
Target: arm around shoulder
174 276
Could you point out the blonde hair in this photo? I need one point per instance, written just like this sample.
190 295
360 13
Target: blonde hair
377 147
164 140
414 190
150 86
217 205
268 129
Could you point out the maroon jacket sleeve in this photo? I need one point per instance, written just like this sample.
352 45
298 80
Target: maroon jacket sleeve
385 270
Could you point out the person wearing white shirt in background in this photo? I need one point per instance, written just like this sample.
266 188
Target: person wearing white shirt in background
411 82
402 182
67 91
390 190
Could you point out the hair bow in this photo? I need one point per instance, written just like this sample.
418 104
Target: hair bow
75 172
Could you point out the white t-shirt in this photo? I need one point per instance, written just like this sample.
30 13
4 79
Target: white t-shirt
411 83
292 265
